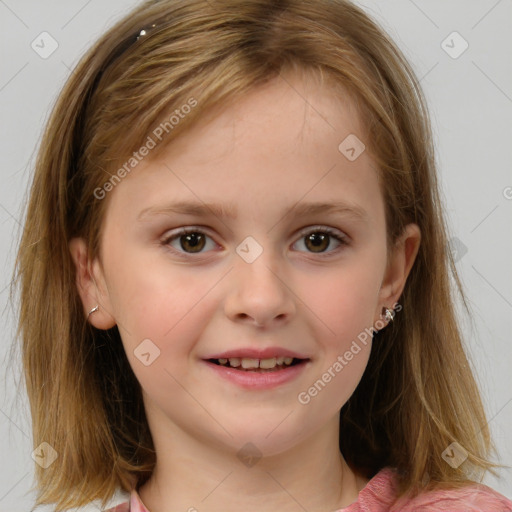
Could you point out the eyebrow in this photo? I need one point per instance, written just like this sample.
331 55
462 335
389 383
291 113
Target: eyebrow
229 211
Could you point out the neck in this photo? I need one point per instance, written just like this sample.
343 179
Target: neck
192 475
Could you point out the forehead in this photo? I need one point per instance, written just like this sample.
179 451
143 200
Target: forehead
281 142
297 107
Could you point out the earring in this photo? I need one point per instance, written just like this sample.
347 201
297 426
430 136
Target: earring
388 314
93 310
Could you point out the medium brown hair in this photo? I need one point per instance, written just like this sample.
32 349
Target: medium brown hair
417 394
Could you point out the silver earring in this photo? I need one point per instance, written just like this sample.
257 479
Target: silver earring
388 314
93 310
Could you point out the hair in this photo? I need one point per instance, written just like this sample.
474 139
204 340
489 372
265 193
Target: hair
418 393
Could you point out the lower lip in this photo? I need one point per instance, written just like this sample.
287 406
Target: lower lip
258 380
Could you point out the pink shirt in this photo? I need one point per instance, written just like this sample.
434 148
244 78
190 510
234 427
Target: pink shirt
379 492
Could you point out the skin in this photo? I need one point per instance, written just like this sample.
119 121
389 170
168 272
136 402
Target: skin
193 305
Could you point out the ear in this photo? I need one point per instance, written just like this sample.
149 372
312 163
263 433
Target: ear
402 257
91 286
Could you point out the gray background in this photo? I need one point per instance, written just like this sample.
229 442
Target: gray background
470 98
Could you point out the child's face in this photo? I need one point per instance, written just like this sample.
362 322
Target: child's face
263 160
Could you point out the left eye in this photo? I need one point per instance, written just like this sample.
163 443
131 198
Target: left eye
320 240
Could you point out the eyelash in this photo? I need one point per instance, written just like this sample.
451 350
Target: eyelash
338 237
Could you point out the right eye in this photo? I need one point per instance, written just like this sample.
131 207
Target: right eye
189 241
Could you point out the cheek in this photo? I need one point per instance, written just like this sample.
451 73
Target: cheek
344 338
344 303
335 383
161 316
343 300
151 300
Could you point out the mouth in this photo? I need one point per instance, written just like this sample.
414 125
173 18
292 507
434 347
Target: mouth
267 365
257 368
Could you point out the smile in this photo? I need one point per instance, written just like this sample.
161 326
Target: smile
258 365
257 374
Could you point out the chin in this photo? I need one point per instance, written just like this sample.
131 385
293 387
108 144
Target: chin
257 438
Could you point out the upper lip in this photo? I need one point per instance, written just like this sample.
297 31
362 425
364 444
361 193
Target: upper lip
257 353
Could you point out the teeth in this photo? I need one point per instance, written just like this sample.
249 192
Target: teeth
268 363
247 362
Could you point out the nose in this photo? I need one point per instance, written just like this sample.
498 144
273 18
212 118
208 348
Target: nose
259 296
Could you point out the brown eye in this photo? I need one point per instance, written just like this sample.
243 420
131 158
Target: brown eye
189 241
193 242
317 241
321 240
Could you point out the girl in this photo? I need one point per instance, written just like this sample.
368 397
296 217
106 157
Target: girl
235 278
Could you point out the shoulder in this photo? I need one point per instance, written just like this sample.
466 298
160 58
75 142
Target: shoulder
379 495
132 503
473 498
123 507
